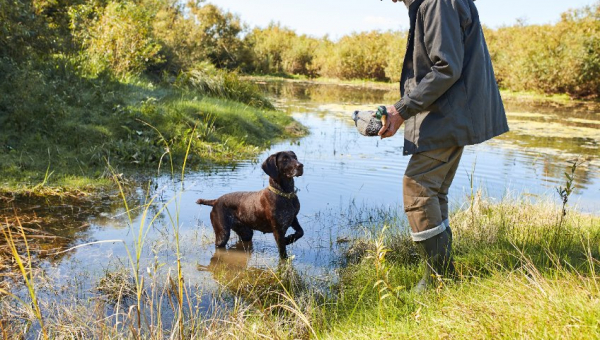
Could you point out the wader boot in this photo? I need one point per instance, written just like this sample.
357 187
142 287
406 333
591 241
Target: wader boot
437 253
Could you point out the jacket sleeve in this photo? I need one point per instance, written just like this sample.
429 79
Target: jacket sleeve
443 39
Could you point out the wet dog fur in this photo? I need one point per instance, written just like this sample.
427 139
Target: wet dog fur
264 210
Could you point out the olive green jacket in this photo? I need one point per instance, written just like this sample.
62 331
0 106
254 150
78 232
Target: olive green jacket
449 94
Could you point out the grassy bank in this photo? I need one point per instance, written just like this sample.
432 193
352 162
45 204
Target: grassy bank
523 274
525 271
64 131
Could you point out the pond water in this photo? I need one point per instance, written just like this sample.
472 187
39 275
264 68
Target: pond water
349 182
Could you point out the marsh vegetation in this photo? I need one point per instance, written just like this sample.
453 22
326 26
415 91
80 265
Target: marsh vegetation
535 275
115 117
355 266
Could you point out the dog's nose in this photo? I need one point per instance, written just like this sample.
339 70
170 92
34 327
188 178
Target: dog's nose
300 165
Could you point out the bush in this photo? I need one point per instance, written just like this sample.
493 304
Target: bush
561 58
22 32
219 36
118 38
277 49
357 56
191 34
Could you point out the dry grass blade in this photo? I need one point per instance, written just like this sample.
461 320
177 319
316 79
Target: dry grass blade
295 309
26 271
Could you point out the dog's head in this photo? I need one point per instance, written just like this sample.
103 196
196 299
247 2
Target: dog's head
283 164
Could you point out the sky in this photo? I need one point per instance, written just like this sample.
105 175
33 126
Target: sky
337 18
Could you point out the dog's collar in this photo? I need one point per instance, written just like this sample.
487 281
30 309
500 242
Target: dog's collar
288 195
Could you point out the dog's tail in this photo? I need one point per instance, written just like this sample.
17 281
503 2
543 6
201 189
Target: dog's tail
206 202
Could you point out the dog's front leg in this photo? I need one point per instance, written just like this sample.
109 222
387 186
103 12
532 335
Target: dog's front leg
280 239
298 232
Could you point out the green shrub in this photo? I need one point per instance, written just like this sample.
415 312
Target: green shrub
560 58
370 55
277 49
22 32
194 33
357 56
178 38
119 38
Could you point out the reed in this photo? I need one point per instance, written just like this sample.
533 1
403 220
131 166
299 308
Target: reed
26 270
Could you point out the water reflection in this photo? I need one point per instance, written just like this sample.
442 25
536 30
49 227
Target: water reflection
323 93
263 284
229 262
545 138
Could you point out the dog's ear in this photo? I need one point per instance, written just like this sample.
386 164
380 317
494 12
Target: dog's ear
269 166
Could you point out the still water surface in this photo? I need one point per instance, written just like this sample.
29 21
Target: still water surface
346 178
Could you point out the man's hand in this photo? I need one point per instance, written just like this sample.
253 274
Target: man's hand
391 124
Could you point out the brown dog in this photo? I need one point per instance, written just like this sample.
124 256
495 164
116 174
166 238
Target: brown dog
271 210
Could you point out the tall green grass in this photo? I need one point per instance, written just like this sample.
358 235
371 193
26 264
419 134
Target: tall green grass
63 128
206 79
513 283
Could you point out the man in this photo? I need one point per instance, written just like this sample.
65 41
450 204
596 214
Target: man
449 99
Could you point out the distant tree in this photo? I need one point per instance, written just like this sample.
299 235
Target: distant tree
218 34
357 56
277 49
560 58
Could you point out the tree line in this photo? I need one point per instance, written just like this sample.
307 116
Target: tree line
555 58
